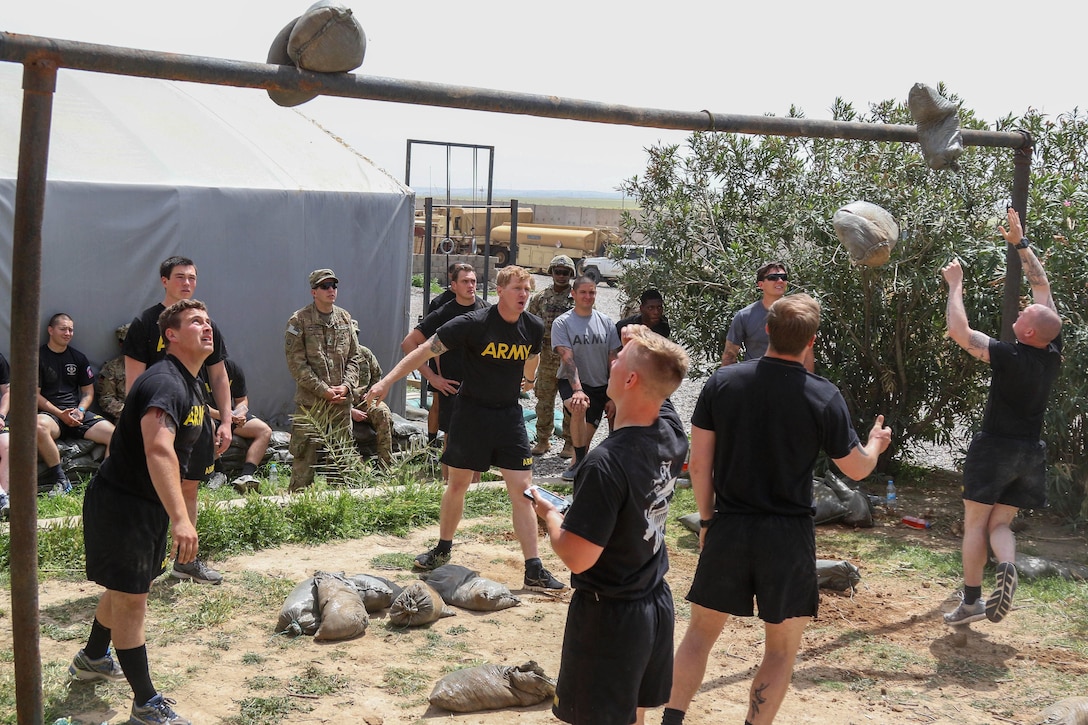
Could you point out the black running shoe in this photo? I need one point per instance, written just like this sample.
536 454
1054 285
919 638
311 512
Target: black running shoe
999 604
430 560
542 580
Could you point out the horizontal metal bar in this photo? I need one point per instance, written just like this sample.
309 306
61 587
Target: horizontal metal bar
152 64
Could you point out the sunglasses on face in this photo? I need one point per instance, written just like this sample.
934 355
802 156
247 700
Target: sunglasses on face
778 277
561 272
327 285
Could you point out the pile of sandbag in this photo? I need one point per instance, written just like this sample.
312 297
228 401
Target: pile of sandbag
334 606
492 687
416 605
836 502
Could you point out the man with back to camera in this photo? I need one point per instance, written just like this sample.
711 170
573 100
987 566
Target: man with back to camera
1005 469
135 499
443 374
548 304
618 641
65 391
651 312
501 345
756 432
322 350
145 345
587 342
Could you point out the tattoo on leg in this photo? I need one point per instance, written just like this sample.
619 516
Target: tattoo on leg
758 698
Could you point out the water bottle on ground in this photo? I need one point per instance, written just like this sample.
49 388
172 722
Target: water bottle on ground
891 500
916 523
273 474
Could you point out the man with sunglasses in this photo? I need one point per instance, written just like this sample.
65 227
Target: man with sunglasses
748 330
323 356
548 304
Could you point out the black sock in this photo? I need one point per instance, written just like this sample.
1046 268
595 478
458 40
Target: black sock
672 717
971 594
580 452
99 641
432 437
533 565
55 472
248 469
444 546
134 663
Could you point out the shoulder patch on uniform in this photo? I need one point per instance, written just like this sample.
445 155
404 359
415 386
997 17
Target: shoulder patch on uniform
292 330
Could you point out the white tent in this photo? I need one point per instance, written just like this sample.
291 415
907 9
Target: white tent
257 195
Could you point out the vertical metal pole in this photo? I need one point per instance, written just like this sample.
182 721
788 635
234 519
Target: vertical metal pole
1021 178
513 231
39 84
487 232
428 242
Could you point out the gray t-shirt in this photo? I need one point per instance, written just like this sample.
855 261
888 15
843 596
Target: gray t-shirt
591 339
749 330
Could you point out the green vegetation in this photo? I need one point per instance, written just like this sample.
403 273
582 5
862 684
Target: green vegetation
721 204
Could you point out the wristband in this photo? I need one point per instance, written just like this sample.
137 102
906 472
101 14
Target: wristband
81 409
705 523
1024 243
529 380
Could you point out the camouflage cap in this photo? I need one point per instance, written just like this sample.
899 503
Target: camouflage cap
122 332
561 260
320 275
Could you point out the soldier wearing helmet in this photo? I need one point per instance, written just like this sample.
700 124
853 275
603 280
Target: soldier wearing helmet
111 381
548 304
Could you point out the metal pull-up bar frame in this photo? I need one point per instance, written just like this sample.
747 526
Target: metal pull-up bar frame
42 57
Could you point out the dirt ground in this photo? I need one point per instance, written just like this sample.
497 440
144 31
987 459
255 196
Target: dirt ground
880 656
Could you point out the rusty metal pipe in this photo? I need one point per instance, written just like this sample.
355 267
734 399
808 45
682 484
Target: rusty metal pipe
39 83
199 69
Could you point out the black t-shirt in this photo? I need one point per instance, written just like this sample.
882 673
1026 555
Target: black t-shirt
144 342
770 418
62 374
621 502
236 379
166 385
5 371
446 296
449 364
1020 387
495 352
661 328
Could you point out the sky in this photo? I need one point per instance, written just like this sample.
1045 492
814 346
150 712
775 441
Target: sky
681 55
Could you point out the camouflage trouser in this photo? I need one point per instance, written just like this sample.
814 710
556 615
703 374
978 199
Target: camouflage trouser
381 420
305 445
546 388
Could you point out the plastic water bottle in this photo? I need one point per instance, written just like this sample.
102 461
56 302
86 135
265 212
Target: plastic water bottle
273 474
892 500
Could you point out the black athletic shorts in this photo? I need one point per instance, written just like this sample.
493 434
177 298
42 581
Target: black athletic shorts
202 459
76 431
481 437
598 397
124 537
446 404
1010 471
617 656
769 558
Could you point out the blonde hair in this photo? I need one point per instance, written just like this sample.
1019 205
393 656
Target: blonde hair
509 274
661 363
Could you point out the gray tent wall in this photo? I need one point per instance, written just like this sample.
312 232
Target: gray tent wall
103 239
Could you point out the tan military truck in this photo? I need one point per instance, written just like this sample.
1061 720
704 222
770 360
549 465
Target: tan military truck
538 243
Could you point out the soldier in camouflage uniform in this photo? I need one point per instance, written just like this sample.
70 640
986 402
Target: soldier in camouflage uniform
377 415
323 356
111 382
548 304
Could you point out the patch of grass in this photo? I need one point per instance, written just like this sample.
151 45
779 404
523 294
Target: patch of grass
404 682
456 630
392 561
252 658
315 682
265 710
263 682
487 502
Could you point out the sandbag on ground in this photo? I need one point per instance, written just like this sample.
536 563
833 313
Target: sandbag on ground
343 615
418 604
376 593
299 614
492 687
1070 711
465 588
